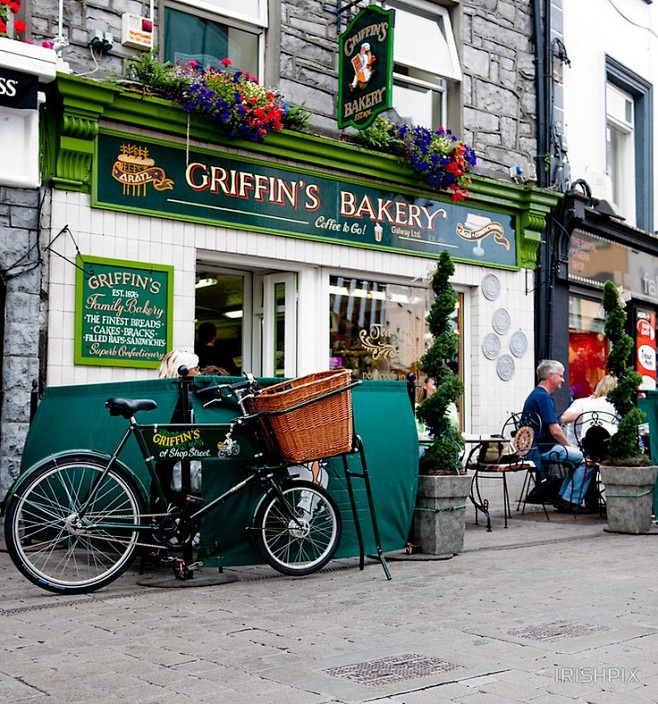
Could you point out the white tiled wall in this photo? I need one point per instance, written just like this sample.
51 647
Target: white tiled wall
161 241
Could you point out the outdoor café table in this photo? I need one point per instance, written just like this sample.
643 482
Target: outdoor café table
488 471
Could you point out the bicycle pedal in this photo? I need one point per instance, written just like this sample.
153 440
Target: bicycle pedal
183 571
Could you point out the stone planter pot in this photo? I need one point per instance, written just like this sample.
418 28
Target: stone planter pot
440 515
629 498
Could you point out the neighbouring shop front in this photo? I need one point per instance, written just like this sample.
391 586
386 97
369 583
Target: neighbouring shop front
300 257
600 247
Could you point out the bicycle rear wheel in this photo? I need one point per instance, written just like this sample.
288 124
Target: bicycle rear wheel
58 548
300 534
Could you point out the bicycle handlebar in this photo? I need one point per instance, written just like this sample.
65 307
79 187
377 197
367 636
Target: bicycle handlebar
225 390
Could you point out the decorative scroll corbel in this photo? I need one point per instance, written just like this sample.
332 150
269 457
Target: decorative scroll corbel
83 104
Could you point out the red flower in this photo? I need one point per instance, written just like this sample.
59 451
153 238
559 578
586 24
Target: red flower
14 7
226 62
19 26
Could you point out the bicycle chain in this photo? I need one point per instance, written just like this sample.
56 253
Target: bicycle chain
157 546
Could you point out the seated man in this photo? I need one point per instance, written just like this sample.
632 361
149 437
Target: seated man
552 443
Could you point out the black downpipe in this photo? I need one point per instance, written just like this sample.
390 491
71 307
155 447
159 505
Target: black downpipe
545 273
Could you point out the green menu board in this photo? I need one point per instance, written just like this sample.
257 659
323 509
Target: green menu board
123 312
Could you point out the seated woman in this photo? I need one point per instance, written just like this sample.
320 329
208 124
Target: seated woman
577 483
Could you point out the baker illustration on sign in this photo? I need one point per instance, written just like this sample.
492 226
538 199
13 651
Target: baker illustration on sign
362 63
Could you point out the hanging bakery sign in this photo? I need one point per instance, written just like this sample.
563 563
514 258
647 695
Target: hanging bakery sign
365 68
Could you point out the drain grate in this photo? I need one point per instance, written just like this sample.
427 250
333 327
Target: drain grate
396 668
557 629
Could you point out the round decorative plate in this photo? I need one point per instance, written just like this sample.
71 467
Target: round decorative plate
505 367
518 344
491 345
490 287
501 321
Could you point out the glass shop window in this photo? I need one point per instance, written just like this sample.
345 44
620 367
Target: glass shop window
379 330
588 346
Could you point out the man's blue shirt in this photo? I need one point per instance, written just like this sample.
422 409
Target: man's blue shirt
539 401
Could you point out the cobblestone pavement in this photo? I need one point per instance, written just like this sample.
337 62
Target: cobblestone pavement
558 611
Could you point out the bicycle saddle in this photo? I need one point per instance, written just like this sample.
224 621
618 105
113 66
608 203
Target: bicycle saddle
127 407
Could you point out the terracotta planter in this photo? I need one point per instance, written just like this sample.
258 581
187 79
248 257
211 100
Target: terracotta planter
629 497
440 516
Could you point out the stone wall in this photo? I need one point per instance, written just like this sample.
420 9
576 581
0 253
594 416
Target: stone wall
499 90
22 271
496 109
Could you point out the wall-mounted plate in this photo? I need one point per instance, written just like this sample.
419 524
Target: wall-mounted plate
490 287
501 321
518 344
505 367
491 345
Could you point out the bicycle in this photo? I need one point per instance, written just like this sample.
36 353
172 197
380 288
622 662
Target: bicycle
74 522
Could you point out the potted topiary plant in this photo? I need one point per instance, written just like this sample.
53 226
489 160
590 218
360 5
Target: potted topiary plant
443 486
627 475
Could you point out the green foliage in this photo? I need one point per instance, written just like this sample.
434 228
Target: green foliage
444 454
379 137
624 444
146 70
297 118
233 99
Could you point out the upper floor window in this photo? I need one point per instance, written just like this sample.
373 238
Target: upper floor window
425 62
208 31
620 150
629 141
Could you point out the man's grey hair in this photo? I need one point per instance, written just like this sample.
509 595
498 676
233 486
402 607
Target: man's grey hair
548 366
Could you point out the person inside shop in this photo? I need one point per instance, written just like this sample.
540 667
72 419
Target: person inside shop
552 443
593 432
209 352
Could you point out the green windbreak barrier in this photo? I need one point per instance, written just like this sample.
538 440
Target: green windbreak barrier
75 418
649 405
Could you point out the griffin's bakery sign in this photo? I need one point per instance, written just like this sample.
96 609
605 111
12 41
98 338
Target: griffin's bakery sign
123 312
365 68
260 197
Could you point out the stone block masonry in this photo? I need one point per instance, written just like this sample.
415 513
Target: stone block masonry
23 313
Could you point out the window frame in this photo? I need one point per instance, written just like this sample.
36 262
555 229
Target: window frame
642 93
446 80
208 7
213 15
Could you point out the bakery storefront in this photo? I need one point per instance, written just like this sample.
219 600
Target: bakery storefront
301 257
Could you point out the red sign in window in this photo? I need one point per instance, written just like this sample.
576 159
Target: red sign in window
645 344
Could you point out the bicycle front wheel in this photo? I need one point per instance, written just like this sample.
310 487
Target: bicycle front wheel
62 541
299 532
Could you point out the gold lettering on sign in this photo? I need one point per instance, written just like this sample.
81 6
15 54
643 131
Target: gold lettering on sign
479 233
377 341
134 169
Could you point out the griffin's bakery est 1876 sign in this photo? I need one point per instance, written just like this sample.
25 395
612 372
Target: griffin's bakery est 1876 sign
123 312
365 67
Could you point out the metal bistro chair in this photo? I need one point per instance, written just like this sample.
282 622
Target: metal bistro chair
593 429
495 458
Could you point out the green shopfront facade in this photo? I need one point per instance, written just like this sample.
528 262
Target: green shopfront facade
306 253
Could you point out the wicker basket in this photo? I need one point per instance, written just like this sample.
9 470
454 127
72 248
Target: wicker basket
322 428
